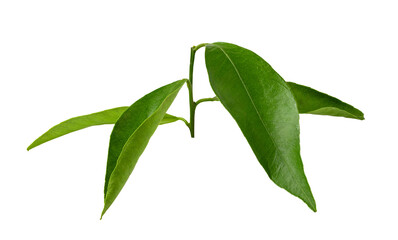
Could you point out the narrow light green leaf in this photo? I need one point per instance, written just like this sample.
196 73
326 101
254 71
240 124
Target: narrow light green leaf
131 134
109 116
264 108
311 101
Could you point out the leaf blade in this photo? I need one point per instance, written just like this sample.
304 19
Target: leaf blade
131 135
312 101
109 116
265 110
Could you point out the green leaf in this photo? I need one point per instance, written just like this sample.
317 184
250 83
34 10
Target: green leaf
131 134
311 101
264 108
109 116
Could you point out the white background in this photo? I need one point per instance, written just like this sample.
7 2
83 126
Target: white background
60 59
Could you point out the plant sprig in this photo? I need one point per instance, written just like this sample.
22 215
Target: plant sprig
265 107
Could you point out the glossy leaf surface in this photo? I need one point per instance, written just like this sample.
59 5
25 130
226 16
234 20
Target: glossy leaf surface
314 102
264 108
109 116
131 134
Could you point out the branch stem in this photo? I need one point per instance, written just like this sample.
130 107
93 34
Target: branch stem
192 103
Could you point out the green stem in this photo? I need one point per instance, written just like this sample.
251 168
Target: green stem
207 100
196 48
185 121
192 103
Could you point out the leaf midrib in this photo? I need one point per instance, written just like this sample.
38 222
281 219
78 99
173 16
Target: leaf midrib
258 114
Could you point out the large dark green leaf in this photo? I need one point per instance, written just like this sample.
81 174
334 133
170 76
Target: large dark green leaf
109 116
264 108
311 101
131 134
